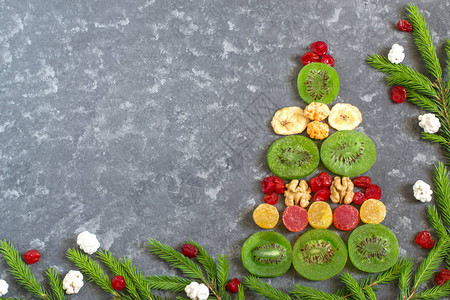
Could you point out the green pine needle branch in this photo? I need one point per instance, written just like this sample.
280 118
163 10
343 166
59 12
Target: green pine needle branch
56 285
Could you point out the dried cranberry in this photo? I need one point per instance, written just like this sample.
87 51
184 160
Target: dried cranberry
373 191
322 195
359 198
362 181
404 25
424 239
118 283
327 59
319 47
325 179
310 57
271 199
189 250
233 285
273 184
398 94
279 185
442 277
32 257
315 183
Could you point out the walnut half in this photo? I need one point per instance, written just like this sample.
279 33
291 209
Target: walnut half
342 190
297 192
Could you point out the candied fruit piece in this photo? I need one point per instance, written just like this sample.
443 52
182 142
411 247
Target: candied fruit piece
266 216
320 215
372 211
316 111
318 130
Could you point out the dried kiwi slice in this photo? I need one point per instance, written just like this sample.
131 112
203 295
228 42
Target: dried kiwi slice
318 82
293 157
319 254
267 254
373 248
348 153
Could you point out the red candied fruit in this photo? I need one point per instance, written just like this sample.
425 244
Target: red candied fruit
373 191
189 250
325 179
398 94
295 218
322 195
345 217
359 198
118 283
315 184
32 257
273 184
310 57
362 181
442 277
271 199
327 59
320 48
233 285
424 239
404 25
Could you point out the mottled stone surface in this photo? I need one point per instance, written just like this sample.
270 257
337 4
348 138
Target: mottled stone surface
150 118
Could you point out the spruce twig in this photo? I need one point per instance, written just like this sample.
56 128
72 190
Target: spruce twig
207 262
264 289
55 284
435 292
442 191
142 286
167 283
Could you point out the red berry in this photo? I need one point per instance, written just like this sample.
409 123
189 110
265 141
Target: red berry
279 185
273 184
310 57
398 94
315 184
118 283
424 239
271 199
362 181
322 195
325 179
359 198
373 191
189 250
404 25
327 59
233 285
31 257
442 277
319 47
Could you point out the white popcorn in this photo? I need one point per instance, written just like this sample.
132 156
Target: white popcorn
396 54
197 291
430 123
422 191
73 282
3 287
88 242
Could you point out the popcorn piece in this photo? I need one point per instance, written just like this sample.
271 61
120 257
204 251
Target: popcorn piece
88 242
3 287
422 191
396 54
197 291
429 123
73 282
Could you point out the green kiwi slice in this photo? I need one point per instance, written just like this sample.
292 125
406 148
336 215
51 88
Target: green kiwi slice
348 153
319 254
267 254
373 248
318 82
293 157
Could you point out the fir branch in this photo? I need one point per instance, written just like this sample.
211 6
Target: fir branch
353 286
240 295
142 286
207 262
264 289
404 282
423 101
435 292
167 283
442 191
310 293
447 53
435 138
370 294
436 222
55 284
21 272
423 41
223 271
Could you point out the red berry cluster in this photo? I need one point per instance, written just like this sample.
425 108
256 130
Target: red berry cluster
442 277
372 191
425 240
272 186
318 53
320 185
32 257
404 25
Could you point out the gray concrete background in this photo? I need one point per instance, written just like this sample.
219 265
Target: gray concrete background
150 118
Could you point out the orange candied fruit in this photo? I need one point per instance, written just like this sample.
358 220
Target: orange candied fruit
318 130
320 215
372 211
316 111
266 216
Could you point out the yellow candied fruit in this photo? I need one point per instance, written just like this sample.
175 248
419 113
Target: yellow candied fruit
266 216
320 215
372 211
318 130
316 111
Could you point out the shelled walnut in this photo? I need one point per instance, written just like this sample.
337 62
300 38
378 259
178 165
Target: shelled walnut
297 192
342 190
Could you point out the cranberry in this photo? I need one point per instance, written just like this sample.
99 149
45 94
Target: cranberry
118 283
189 250
310 57
279 185
362 181
315 184
271 199
404 25
273 184
398 94
373 191
319 47
442 277
32 257
359 198
424 239
322 195
327 59
233 285
325 179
